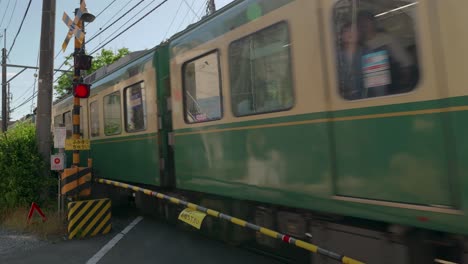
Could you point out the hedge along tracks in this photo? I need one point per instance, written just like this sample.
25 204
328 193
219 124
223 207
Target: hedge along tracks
268 232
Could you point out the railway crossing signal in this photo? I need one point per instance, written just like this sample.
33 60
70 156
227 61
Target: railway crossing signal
73 26
77 177
81 90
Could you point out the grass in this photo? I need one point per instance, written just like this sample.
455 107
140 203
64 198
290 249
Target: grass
52 229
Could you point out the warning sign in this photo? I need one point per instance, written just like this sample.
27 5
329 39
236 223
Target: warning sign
77 144
192 217
57 162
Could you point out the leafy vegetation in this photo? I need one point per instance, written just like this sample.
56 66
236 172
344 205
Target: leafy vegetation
105 57
21 169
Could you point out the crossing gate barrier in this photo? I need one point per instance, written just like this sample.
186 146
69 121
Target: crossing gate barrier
76 182
265 231
89 218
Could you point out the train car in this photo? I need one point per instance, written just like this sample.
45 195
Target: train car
343 120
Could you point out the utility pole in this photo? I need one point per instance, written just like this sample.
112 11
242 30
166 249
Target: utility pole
9 96
210 7
4 85
46 67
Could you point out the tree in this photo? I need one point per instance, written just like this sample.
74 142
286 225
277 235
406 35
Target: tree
105 57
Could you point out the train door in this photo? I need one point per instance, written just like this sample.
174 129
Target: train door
387 115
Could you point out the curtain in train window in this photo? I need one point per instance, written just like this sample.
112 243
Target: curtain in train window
112 114
58 120
67 118
376 47
260 72
135 108
94 118
202 89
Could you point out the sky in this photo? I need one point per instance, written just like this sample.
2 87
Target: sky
170 18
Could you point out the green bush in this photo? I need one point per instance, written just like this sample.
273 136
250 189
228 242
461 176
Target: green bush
22 169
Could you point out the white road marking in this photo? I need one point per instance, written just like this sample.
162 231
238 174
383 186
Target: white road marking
101 253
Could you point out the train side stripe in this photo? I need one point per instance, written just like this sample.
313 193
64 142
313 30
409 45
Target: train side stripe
326 120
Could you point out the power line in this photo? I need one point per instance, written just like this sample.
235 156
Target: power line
100 32
105 8
35 76
173 19
126 22
186 15
116 13
191 8
25 102
125 30
19 29
4 14
199 12
22 96
12 13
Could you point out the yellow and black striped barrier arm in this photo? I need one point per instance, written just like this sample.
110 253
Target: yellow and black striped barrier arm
268 232
89 218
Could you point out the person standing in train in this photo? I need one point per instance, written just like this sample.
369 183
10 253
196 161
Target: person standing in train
387 65
350 62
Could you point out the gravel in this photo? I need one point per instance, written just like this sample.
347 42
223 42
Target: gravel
12 242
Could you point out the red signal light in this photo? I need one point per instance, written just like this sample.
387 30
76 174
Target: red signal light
81 90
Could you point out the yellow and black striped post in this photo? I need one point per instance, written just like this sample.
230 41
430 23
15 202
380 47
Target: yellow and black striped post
89 218
76 100
76 182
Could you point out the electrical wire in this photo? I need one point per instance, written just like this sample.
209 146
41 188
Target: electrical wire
173 19
4 14
105 8
25 102
126 22
133 24
186 15
191 8
116 13
12 13
35 77
19 29
113 23
199 12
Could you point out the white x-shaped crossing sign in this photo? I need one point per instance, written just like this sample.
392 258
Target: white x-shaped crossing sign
73 26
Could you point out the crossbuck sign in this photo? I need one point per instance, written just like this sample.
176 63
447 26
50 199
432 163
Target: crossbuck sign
73 26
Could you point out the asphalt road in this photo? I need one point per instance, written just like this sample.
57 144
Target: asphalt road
149 241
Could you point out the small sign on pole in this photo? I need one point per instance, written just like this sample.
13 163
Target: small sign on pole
57 162
77 144
60 134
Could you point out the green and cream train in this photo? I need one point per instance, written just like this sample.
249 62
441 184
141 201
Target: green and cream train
343 120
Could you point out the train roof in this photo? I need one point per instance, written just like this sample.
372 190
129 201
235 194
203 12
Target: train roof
231 16
228 18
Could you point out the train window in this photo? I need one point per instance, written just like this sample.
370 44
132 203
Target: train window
112 115
58 120
67 117
376 47
260 72
202 89
94 118
135 108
